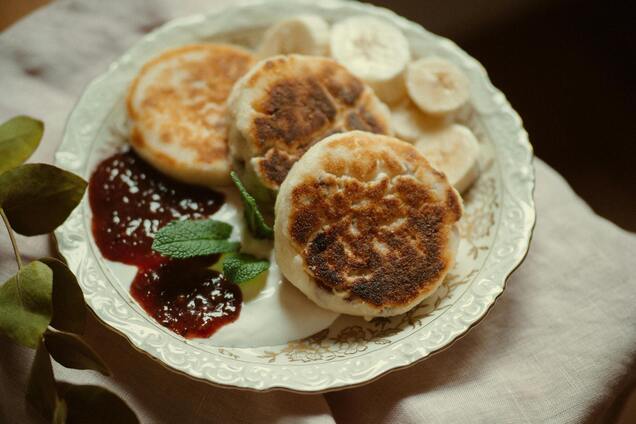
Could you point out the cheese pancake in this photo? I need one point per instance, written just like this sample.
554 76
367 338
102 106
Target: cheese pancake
284 105
365 226
177 109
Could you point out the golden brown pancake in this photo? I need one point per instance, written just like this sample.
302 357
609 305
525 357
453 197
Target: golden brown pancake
365 226
286 104
177 109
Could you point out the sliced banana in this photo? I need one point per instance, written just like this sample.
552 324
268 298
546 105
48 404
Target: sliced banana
436 85
454 150
409 123
374 51
304 34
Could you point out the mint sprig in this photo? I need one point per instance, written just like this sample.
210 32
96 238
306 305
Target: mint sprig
241 267
253 216
190 238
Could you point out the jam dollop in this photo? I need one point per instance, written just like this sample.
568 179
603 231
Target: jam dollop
187 297
130 201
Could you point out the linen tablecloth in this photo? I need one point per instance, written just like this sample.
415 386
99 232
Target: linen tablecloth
559 346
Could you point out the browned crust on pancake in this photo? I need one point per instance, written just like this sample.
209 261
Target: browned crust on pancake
136 139
301 108
294 109
275 165
382 241
219 69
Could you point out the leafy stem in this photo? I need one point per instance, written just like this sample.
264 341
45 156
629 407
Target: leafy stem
14 243
42 305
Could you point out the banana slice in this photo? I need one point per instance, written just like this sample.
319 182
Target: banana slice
436 85
410 123
454 150
374 51
304 34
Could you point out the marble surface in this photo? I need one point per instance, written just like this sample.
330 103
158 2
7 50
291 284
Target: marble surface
559 346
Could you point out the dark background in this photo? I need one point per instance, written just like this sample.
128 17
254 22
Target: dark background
569 69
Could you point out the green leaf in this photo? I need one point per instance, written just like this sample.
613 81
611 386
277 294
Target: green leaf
37 198
71 351
241 267
25 304
42 391
189 238
19 137
69 309
253 216
95 405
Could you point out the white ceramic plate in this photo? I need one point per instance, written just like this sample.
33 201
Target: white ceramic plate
495 230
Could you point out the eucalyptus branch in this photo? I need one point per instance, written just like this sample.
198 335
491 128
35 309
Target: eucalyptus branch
38 319
14 243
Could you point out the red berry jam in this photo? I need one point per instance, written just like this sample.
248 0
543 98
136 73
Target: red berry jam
187 297
130 201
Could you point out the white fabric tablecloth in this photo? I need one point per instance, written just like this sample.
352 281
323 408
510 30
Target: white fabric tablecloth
558 346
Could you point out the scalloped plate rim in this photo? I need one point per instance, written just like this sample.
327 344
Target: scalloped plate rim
297 386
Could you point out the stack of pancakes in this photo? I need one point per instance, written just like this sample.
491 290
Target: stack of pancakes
364 225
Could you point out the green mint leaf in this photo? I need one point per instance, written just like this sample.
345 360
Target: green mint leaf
19 137
253 216
69 309
241 267
189 238
71 351
25 304
42 391
94 404
37 198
